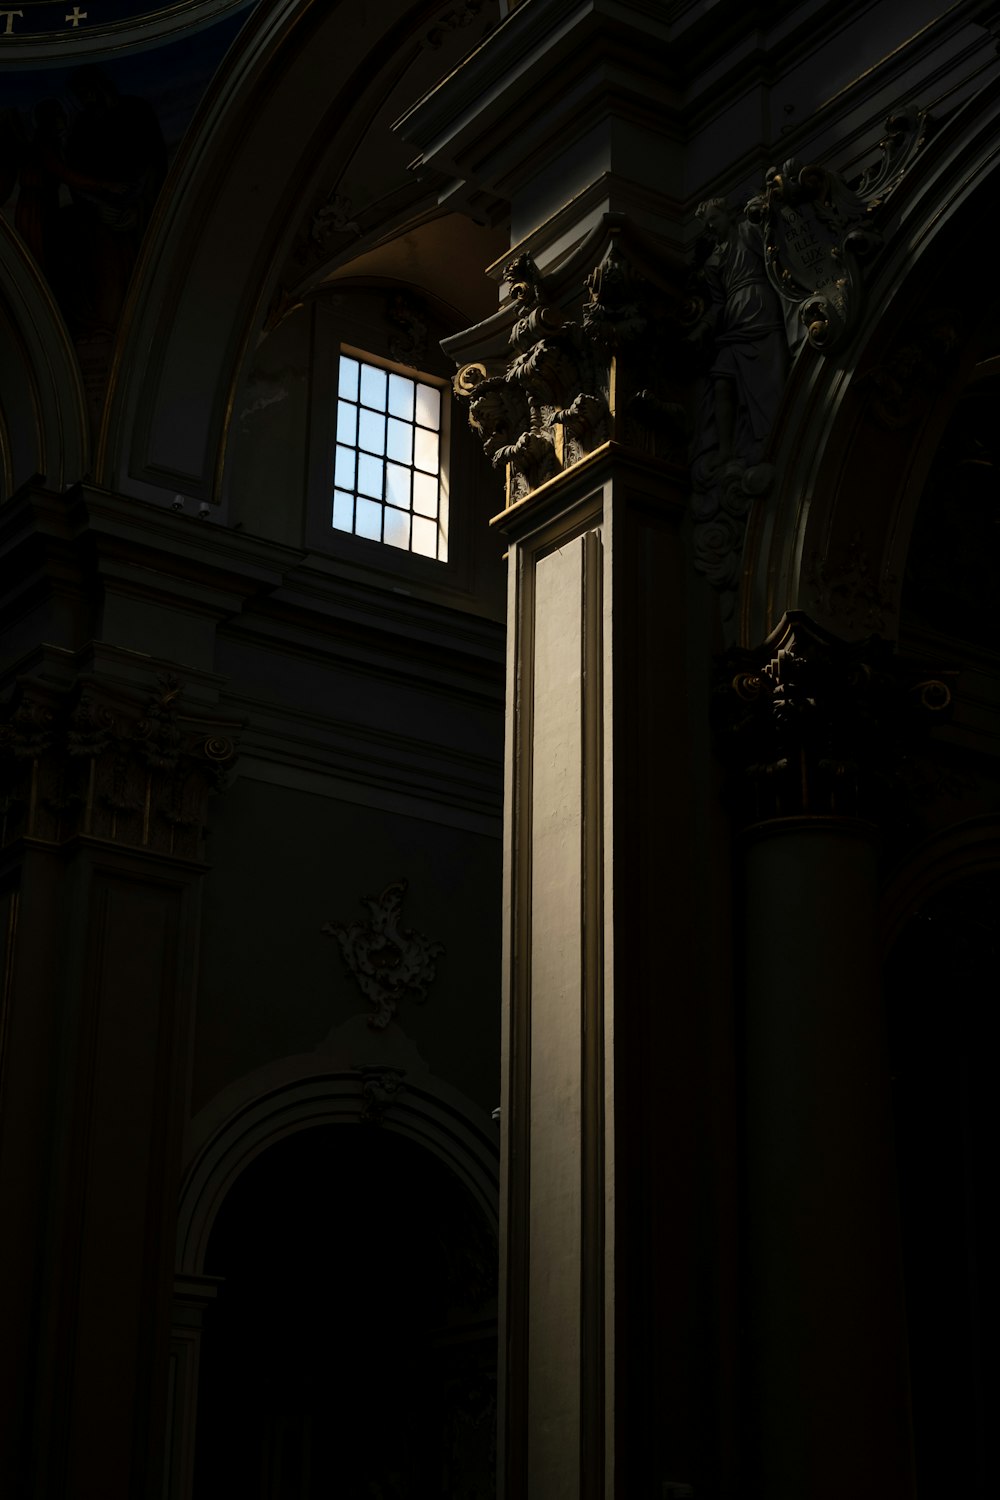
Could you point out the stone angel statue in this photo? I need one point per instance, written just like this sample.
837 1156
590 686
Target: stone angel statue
743 332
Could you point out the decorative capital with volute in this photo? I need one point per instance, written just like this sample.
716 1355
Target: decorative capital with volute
813 725
569 384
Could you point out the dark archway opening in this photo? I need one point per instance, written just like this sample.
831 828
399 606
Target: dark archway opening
352 1348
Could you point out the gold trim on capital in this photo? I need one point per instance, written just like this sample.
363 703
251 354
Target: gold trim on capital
583 471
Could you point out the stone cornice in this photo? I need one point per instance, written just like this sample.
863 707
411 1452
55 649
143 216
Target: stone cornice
62 545
535 62
713 70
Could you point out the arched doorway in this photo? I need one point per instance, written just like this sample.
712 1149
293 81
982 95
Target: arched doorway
351 1348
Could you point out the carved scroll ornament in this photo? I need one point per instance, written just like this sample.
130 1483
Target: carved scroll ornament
380 1089
816 233
389 961
818 230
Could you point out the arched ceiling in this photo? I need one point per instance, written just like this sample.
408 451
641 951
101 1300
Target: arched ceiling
291 177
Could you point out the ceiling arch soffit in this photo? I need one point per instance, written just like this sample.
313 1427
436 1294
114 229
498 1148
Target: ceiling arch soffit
858 429
43 419
259 208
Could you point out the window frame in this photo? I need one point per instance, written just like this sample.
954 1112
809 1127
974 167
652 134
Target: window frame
350 317
336 333
443 434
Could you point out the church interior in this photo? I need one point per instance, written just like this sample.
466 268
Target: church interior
499 749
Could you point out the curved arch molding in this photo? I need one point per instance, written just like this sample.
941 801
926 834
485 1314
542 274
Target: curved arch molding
297 1093
52 31
858 430
294 115
43 417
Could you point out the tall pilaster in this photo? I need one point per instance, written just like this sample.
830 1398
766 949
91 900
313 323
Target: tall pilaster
606 1057
616 1239
104 791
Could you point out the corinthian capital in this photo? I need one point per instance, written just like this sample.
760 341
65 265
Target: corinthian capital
579 369
96 760
814 725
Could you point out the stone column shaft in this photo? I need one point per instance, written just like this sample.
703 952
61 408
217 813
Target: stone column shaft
818 727
829 1383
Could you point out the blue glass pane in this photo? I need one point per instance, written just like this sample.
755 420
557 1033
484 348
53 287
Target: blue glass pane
343 511
397 485
400 441
348 385
344 476
401 397
369 520
347 423
373 387
371 432
370 476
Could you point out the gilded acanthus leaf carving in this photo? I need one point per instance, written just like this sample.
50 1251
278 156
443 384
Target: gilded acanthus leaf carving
389 961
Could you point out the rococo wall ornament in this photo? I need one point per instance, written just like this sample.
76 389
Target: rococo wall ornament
784 270
389 961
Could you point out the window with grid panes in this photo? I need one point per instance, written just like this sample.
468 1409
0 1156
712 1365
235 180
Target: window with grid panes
387 471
